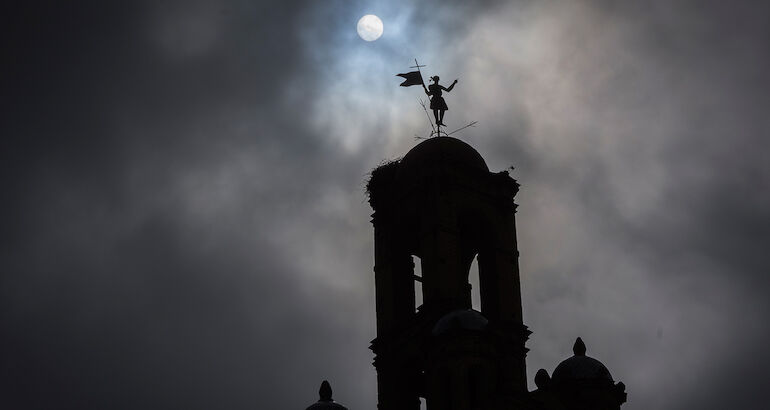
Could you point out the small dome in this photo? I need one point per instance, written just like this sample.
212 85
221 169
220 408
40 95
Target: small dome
442 149
580 367
326 402
462 319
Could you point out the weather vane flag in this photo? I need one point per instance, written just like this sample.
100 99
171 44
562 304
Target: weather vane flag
434 91
411 78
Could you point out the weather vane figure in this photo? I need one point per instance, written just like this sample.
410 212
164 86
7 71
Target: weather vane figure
437 103
434 91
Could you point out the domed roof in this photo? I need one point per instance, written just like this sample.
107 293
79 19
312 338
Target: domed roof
326 402
442 149
465 319
580 367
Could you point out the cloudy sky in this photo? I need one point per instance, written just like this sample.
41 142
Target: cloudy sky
183 222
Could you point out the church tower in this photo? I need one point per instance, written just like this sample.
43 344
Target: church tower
441 205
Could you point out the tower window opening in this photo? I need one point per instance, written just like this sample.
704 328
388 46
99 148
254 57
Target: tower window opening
417 283
473 280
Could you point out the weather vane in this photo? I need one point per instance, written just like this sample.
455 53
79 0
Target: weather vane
437 103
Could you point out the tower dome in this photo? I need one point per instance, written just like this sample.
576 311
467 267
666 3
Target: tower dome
580 367
441 151
580 382
325 402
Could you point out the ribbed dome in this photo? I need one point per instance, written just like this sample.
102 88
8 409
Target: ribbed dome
436 150
580 367
462 319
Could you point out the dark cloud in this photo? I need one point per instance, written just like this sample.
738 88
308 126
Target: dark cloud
183 222
643 212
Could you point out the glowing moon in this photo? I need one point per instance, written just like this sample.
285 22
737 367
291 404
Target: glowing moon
369 27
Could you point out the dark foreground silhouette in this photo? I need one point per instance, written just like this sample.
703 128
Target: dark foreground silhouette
442 208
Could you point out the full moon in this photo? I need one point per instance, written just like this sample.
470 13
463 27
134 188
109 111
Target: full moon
369 27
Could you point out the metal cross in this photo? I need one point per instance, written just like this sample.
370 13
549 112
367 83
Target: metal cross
416 65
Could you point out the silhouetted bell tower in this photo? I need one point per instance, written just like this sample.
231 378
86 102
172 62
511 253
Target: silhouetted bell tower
441 204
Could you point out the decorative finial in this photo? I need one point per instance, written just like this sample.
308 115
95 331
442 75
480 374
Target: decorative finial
579 348
325 391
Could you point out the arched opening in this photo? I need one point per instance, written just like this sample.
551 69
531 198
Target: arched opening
473 227
418 300
473 280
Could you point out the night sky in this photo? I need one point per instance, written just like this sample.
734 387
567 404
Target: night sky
183 223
